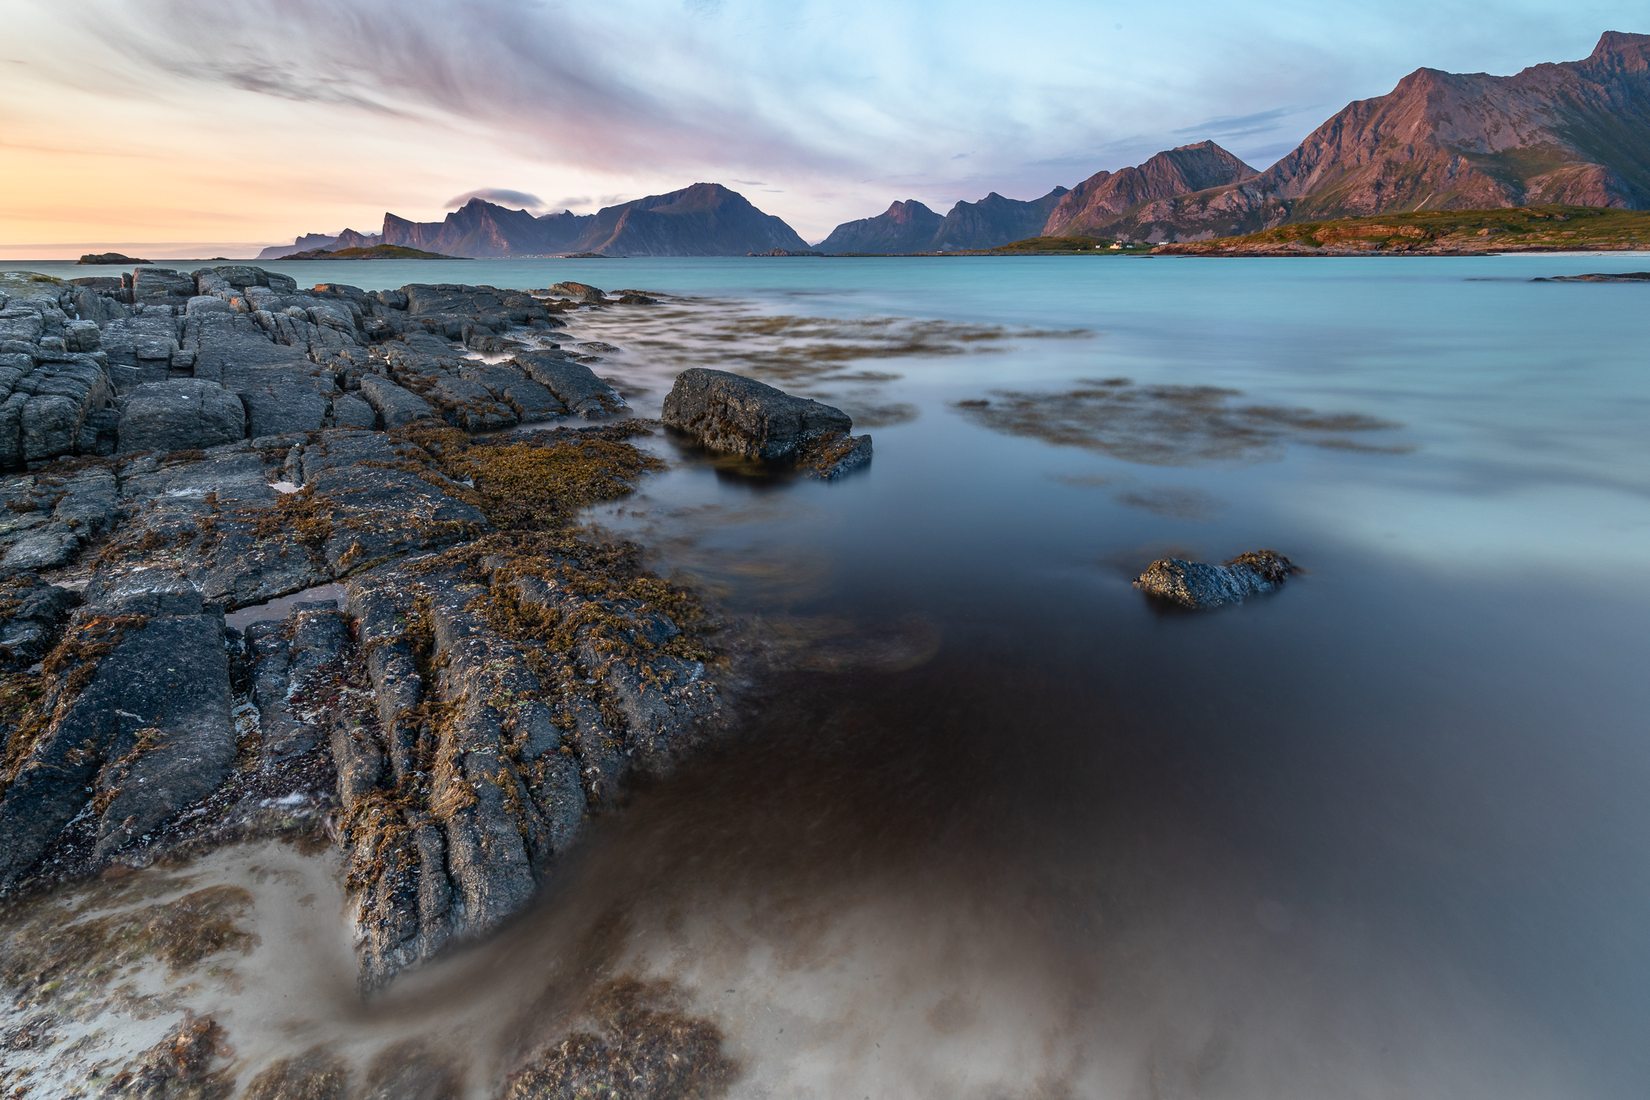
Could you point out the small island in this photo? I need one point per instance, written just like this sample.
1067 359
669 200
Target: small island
374 252
111 258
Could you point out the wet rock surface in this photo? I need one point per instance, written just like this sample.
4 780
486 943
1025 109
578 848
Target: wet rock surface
731 414
449 678
1200 586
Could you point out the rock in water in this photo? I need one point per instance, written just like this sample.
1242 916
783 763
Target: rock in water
1199 585
741 416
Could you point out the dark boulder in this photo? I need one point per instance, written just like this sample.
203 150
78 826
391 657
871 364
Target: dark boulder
1198 585
731 414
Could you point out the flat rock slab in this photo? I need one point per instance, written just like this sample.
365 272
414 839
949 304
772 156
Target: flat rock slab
180 414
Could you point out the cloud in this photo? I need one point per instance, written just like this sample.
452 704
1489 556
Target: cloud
505 197
547 86
1227 127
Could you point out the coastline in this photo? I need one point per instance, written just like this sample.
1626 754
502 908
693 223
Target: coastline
310 570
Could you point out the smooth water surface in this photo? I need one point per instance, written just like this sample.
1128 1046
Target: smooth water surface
1003 828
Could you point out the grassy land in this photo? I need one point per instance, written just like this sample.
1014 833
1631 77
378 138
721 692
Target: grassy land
376 252
1044 246
1520 229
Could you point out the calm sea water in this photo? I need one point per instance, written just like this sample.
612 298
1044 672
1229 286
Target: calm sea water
1008 830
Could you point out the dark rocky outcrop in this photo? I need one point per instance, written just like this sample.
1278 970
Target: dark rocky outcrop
1605 277
573 385
110 259
731 414
283 585
1199 586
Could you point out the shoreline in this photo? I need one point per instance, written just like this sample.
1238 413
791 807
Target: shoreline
343 599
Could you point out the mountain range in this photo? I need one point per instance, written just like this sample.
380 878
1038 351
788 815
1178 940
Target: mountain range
705 219
1575 133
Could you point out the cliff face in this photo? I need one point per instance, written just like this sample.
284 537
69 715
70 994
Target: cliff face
480 229
706 219
1571 132
1100 200
907 226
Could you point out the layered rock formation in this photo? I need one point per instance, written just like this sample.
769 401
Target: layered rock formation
1094 206
451 676
1573 133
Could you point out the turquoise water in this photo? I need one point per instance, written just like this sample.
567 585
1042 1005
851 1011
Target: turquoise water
1381 834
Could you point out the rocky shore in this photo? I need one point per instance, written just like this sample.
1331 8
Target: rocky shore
451 678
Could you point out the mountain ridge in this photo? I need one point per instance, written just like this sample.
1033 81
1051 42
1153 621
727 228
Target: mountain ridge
703 219
1567 133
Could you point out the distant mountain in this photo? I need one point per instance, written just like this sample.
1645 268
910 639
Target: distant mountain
706 219
907 226
306 243
1573 132
910 226
1101 199
320 242
994 221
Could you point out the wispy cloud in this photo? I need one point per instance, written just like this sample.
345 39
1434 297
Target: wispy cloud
505 197
546 81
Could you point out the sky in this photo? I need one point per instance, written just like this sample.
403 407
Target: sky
200 127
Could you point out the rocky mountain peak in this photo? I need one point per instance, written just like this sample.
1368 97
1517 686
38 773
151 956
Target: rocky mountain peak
1623 51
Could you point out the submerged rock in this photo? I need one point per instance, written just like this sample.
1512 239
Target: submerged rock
732 414
1198 585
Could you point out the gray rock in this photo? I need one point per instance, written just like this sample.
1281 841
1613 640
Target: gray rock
582 293
182 414
48 519
137 729
573 384
1199 586
350 411
297 667
731 414
161 286
395 406
32 614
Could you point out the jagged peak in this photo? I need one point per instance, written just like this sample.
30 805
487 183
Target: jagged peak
1425 78
1623 49
901 207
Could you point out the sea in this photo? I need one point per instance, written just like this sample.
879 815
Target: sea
994 824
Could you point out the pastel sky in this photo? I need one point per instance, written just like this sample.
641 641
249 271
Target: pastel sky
201 127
